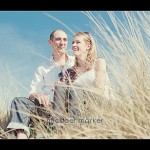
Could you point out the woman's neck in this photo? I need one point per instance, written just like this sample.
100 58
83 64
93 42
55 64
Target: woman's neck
81 65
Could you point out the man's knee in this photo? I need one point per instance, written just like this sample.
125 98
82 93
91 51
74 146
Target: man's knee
20 100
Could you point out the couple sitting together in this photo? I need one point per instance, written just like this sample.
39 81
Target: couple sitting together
61 81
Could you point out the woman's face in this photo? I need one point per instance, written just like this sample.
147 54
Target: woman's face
80 47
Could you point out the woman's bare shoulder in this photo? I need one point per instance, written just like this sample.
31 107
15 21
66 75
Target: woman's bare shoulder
100 61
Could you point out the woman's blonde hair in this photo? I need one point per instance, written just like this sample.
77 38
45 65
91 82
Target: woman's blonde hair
91 56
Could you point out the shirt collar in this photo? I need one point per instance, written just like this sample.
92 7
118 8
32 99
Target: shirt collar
53 61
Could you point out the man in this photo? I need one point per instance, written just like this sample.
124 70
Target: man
42 85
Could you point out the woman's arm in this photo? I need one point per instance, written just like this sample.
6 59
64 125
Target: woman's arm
100 74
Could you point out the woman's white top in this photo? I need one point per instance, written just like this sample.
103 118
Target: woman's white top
86 79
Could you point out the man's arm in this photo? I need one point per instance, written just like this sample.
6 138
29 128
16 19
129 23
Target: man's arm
36 91
37 82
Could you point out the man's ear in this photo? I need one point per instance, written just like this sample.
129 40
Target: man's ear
49 42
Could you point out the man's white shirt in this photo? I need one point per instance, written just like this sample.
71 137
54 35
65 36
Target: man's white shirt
46 75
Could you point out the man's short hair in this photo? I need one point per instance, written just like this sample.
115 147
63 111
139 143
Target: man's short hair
52 35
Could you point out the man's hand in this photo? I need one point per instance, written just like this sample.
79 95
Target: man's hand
43 99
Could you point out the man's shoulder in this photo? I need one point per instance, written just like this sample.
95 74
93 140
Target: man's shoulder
46 64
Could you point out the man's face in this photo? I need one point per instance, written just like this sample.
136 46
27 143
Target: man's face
59 42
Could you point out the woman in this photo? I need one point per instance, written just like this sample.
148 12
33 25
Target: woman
88 74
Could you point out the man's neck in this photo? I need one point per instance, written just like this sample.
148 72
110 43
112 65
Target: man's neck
60 59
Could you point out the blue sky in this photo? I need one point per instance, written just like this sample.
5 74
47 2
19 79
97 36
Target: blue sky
24 38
